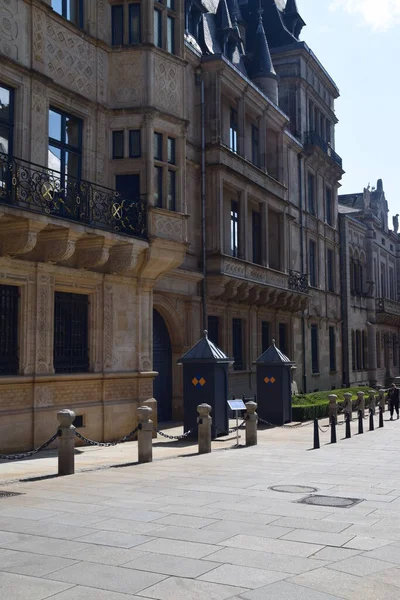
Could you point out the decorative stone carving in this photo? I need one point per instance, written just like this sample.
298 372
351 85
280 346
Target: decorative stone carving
124 258
128 81
167 85
44 324
169 227
93 251
108 327
18 237
9 28
39 122
39 24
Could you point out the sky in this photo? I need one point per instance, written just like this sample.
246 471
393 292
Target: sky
358 42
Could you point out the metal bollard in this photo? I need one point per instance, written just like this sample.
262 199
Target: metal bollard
204 422
348 405
360 423
316 435
380 416
372 401
333 430
66 442
251 424
145 434
382 399
371 420
333 409
348 426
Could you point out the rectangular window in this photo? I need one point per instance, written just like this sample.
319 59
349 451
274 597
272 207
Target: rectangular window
237 344
330 271
332 349
328 207
157 28
158 186
313 263
9 359
378 350
364 350
213 329
255 146
391 283
6 120
311 193
383 280
171 151
353 350
283 337
314 349
71 350
70 9
117 24
65 145
171 195
171 35
265 336
118 144
233 130
158 146
256 235
135 143
234 228
134 24
358 350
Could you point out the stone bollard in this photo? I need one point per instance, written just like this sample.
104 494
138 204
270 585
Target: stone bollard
204 422
145 434
333 409
382 399
348 405
361 402
251 424
66 442
372 401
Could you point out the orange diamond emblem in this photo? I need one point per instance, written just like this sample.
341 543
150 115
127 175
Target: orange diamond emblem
195 381
266 380
202 382
272 380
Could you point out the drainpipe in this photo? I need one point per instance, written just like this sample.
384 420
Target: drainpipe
200 82
303 318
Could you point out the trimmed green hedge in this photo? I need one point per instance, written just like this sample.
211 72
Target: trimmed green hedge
315 406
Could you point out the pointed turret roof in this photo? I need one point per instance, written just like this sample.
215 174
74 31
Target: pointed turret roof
205 351
261 63
234 10
291 6
273 356
292 18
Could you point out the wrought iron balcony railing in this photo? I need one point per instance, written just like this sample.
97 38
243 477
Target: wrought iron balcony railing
298 282
312 138
31 187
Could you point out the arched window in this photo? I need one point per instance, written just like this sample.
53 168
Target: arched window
353 350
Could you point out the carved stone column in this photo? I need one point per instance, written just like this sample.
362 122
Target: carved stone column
44 322
144 328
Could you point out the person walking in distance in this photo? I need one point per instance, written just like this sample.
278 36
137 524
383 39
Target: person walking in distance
394 397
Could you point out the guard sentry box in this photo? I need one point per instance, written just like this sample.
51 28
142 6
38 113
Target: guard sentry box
205 380
274 386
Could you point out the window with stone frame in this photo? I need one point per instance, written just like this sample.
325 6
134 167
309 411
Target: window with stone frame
328 206
330 270
353 350
165 25
126 23
165 171
234 237
364 344
332 349
71 333
9 309
6 121
65 145
233 130
314 349
256 230
312 260
69 9
123 146
255 145
311 194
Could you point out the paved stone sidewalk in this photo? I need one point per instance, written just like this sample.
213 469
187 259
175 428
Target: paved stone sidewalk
209 527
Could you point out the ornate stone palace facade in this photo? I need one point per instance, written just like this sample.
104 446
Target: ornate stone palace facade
165 166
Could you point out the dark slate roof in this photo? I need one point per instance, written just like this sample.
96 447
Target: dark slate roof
273 356
352 200
223 16
205 351
261 63
234 9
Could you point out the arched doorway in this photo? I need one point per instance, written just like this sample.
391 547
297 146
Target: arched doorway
162 363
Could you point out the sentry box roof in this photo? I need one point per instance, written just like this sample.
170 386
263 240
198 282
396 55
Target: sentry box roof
205 351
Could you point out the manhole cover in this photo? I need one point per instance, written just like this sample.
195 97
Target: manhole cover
293 489
4 494
330 501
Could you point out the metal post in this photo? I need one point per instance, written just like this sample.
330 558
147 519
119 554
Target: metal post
145 434
380 416
66 442
360 422
316 435
251 424
371 420
204 422
333 430
348 426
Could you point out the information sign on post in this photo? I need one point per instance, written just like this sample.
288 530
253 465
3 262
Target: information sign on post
237 406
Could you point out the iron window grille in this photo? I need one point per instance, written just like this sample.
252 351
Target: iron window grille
6 120
9 308
237 344
71 335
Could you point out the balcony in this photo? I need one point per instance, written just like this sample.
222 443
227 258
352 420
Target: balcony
235 280
312 138
387 311
27 186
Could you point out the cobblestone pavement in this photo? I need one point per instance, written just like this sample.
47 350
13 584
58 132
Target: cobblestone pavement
209 527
